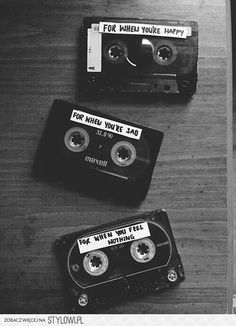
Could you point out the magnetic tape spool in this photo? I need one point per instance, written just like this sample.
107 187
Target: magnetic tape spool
165 52
76 139
123 153
95 263
130 158
143 250
115 51
150 252
90 268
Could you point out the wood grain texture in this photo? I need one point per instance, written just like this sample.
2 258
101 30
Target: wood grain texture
39 62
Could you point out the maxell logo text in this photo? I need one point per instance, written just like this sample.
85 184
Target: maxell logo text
95 161
65 320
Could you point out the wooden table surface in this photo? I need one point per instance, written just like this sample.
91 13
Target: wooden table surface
38 63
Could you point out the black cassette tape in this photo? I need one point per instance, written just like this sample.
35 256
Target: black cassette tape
118 260
137 55
97 153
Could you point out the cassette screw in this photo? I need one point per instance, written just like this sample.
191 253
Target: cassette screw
83 300
75 268
185 83
172 275
167 88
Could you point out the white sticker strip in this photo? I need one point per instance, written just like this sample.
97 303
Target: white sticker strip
94 49
106 124
145 29
114 237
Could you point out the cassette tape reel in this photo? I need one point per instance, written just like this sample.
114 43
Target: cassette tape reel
95 152
121 259
136 55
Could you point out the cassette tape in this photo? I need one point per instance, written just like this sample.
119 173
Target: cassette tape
119 260
97 153
137 55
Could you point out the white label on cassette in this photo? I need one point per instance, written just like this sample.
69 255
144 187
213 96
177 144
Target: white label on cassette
145 29
113 237
94 48
106 124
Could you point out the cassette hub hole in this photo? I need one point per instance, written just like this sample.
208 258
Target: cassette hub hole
164 53
115 52
143 249
77 139
95 262
123 153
